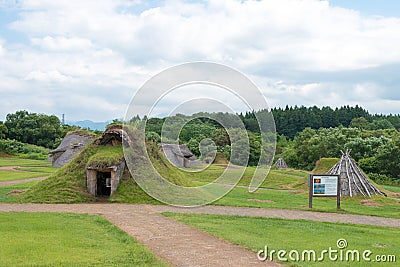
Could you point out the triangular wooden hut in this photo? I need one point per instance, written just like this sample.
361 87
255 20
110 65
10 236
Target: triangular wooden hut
352 180
281 164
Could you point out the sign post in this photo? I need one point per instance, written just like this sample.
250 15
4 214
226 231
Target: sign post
322 185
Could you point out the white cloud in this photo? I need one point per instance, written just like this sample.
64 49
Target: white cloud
87 48
61 43
50 76
305 34
2 50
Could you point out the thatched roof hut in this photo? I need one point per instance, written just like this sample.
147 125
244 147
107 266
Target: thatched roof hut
179 155
72 144
281 164
105 168
352 179
114 135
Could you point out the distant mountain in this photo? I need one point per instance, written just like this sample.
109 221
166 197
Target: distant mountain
92 125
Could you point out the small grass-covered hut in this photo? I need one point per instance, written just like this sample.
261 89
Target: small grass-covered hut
179 155
72 144
100 170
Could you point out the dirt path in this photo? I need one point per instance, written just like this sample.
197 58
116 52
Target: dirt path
10 168
22 181
286 214
14 169
175 242
182 245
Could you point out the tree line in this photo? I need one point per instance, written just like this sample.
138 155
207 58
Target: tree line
304 134
33 128
292 120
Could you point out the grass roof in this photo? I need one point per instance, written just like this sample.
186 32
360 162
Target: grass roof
68 184
106 156
82 132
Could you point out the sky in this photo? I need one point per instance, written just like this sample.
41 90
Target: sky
86 59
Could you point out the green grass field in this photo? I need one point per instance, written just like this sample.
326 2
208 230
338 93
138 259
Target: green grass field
62 239
391 188
10 193
284 199
287 189
38 169
254 233
27 168
11 175
283 188
13 161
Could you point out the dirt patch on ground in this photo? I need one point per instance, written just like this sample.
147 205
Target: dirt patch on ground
285 187
261 200
15 192
370 203
10 168
380 246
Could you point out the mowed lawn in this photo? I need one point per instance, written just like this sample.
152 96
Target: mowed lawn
283 188
254 233
286 199
27 169
14 161
9 193
63 239
287 189
13 175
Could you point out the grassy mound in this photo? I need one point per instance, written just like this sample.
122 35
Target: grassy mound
106 156
220 158
68 184
129 192
324 165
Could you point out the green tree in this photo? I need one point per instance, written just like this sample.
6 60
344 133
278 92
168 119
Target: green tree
367 147
380 124
153 136
360 123
220 137
3 130
305 154
32 128
195 128
389 160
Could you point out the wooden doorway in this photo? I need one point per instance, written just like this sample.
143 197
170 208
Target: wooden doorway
103 184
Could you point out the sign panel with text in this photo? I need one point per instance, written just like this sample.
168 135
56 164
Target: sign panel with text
323 185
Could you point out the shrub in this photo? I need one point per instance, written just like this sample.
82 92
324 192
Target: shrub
16 148
383 179
369 165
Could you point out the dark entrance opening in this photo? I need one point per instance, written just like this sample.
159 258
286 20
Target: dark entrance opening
103 183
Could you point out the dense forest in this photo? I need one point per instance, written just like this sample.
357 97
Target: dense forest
303 135
31 135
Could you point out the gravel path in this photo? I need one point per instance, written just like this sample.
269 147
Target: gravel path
22 181
10 168
178 244
286 214
182 245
